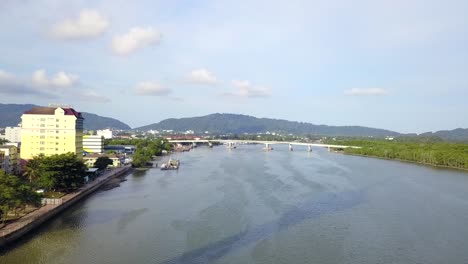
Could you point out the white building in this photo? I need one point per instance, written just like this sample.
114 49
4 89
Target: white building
106 133
13 134
93 144
9 159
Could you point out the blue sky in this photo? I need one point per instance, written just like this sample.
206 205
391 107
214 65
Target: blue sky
400 65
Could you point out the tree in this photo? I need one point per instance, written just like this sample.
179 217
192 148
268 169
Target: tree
102 163
32 170
15 193
62 172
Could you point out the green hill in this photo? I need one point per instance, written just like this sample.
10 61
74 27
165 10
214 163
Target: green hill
238 124
10 115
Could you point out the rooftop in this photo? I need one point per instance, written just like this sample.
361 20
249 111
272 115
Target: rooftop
51 111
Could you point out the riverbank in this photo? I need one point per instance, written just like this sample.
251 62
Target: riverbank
406 161
20 227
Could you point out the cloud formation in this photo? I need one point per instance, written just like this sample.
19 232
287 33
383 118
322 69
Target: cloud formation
247 90
137 38
367 92
202 76
88 24
59 80
151 89
42 86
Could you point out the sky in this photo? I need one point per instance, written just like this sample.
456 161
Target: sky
398 65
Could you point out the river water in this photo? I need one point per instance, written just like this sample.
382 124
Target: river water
250 206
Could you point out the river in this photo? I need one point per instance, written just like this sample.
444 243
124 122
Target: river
250 206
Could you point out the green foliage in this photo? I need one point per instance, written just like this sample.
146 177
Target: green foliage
453 155
102 163
62 172
145 148
15 193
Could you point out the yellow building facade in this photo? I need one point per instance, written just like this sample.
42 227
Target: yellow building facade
51 130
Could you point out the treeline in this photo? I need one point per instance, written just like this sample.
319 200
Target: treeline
55 175
145 148
453 155
15 194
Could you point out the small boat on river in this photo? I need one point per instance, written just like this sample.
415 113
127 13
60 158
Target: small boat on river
170 165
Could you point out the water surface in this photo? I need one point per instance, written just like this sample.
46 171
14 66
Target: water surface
250 206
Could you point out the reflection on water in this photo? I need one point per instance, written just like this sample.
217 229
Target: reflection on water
249 206
326 203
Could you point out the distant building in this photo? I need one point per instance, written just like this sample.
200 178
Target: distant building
106 133
93 144
9 159
89 160
51 130
13 134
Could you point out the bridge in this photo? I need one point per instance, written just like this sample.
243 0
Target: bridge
231 143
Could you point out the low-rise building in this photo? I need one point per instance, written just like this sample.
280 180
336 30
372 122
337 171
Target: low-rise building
90 159
13 134
93 144
106 133
9 159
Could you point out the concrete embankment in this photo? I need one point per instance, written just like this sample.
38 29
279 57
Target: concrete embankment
22 226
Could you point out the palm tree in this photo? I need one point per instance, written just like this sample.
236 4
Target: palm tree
32 169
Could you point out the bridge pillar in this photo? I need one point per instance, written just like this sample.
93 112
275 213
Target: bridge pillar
210 144
309 148
290 147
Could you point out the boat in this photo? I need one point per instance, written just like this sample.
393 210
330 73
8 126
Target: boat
170 165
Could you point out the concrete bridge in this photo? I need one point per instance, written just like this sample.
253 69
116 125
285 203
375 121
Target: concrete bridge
231 143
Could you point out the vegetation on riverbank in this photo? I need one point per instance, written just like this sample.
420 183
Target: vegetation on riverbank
452 155
145 148
15 195
56 175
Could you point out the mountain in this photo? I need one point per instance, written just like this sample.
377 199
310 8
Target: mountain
10 115
238 124
459 134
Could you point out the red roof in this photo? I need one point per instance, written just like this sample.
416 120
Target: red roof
51 111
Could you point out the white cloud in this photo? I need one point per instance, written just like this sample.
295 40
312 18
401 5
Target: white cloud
59 80
247 90
6 77
202 76
152 89
88 24
366 91
135 39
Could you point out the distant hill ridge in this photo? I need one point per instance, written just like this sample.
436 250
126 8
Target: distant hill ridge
10 115
238 124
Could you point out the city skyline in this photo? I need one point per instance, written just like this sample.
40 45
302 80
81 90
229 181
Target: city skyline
392 65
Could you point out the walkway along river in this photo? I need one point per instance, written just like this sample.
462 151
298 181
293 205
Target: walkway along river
11 232
250 206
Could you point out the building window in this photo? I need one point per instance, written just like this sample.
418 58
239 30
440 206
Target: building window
42 119
42 125
42 142
42 136
42 148
42 130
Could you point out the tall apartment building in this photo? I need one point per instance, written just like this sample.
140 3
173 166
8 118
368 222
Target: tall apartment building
51 130
93 144
9 159
13 134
